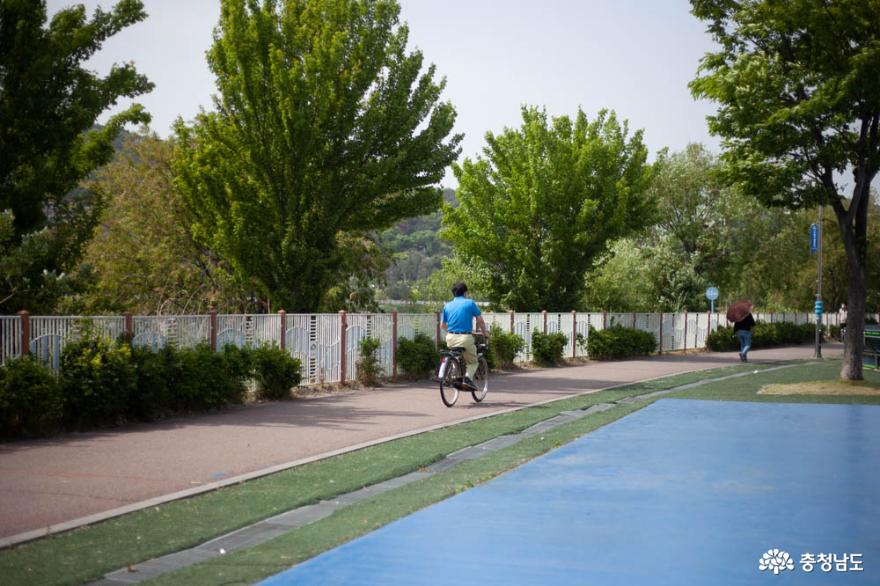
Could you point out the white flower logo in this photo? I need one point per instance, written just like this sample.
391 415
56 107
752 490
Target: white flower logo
775 560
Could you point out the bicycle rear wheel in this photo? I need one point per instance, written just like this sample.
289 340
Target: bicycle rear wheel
448 381
481 380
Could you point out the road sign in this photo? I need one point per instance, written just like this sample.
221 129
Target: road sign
814 238
712 295
820 307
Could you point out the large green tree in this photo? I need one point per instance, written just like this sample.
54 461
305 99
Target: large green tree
543 202
799 111
142 257
325 128
49 105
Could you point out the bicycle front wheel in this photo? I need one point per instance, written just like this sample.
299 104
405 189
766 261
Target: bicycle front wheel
481 380
448 381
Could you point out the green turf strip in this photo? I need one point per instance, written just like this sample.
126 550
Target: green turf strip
88 553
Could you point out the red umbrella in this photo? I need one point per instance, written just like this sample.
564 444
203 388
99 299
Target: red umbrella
739 310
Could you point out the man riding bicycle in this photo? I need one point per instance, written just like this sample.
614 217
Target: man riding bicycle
457 319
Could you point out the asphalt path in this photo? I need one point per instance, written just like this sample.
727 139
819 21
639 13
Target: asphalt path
73 479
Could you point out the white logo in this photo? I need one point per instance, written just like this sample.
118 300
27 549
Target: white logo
775 560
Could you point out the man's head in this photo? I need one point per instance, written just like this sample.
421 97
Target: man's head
459 289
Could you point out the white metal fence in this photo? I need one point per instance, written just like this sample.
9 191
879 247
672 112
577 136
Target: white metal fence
317 339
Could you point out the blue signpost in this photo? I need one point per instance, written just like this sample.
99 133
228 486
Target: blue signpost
712 295
814 238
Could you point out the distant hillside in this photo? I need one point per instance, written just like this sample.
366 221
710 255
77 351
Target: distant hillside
417 250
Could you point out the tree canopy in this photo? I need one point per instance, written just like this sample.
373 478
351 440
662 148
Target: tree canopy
142 257
543 202
49 105
799 110
325 128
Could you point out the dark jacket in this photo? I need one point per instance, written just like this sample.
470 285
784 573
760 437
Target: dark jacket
746 323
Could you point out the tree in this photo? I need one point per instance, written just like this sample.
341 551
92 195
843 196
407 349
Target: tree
544 202
706 234
325 129
48 141
142 256
799 106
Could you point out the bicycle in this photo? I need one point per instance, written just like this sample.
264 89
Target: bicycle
452 370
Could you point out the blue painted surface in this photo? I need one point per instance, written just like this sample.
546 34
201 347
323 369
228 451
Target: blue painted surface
679 493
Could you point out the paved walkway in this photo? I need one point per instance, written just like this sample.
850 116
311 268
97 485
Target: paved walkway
70 479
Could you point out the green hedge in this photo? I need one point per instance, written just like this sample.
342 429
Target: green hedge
547 349
619 342
101 382
31 402
503 347
764 335
275 371
417 358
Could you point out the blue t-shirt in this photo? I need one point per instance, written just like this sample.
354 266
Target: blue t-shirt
459 314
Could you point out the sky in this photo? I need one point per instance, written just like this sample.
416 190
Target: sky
635 57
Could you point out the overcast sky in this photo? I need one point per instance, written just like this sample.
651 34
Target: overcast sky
633 56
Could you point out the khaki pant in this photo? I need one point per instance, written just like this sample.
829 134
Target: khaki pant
465 341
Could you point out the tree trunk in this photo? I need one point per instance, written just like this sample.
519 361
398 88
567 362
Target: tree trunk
854 233
855 325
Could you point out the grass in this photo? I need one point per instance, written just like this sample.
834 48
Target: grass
88 553
748 388
823 387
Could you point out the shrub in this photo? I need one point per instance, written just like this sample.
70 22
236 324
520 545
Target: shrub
619 342
764 335
202 379
417 357
722 340
503 347
275 371
31 402
368 369
152 396
547 349
97 379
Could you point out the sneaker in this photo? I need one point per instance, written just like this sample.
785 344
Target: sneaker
741 357
745 358
469 383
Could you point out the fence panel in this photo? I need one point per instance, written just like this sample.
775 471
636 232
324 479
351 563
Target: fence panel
10 338
410 324
501 319
368 325
314 340
48 334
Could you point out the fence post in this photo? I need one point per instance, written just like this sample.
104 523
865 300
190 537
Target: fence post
574 333
634 321
685 332
394 346
343 347
437 337
660 351
544 313
604 320
25 319
511 322
213 329
283 333
128 325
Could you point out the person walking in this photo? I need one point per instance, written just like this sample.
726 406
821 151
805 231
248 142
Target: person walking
743 331
457 319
